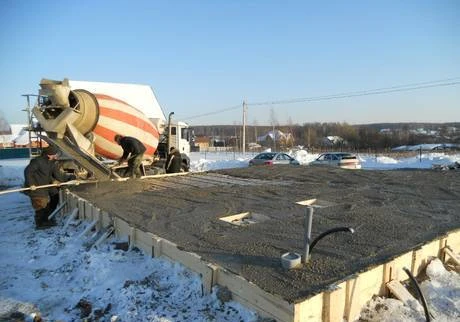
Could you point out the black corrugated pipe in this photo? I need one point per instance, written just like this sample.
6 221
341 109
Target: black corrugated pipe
420 294
327 232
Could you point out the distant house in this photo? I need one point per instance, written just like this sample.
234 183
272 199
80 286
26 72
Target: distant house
217 142
18 137
202 142
254 146
277 136
5 133
333 140
385 131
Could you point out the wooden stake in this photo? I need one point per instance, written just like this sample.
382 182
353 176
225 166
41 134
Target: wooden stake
57 210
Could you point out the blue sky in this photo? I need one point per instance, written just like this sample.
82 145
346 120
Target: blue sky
205 56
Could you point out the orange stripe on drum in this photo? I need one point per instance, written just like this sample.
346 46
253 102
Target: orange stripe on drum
106 153
143 124
110 135
107 97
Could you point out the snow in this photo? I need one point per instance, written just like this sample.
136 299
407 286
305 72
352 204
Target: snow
441 292
41 268
57 273
212 161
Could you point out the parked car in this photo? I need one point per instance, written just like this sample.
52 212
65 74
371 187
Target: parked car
271 158
339 159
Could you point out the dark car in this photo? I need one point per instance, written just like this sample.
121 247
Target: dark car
271 158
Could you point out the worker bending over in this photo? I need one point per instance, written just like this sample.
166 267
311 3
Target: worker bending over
134 149
173 161
44 170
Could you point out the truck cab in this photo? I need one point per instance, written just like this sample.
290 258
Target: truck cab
180 136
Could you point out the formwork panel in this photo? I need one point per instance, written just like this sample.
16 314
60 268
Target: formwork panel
144 241
360 289
81 208
397 265
88 215
251 295
423 255
190 260
453 240
309 310
334 304
122 228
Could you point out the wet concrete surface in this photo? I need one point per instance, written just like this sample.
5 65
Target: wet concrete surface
391 211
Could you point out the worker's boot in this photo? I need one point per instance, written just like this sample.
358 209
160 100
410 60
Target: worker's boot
42 221
38 220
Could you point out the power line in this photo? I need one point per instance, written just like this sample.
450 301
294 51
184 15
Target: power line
215 112
377 91
384 90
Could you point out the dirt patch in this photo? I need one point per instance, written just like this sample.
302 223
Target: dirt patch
391 211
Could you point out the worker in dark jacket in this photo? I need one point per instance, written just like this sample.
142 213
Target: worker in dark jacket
173 161
44 170
133 151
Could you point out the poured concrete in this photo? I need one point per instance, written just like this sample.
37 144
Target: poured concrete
392 212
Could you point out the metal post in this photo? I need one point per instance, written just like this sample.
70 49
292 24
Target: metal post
307 236
169 132
244 127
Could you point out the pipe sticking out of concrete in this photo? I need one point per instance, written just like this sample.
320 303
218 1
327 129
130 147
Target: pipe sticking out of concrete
307 225
328 232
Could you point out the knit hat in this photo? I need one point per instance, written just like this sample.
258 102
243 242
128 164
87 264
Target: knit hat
50 150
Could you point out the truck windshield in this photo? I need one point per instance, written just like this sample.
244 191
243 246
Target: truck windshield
185 134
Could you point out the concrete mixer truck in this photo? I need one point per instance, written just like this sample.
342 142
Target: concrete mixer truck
82 118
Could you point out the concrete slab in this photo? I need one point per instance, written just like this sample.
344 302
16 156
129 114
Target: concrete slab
392 212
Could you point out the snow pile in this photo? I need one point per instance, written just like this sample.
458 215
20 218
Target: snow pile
57 271
208 165
441 292
303 156
426 161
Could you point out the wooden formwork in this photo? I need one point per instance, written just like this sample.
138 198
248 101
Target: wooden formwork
342 302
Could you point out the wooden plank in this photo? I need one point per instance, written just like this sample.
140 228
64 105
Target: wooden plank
311 310
190 260
122 228
96 215
144 241
252 296
400 292
452 255
360 289
131 238
156 245
422 256
453 239
334 304
88 211
72 216
232 218
81 208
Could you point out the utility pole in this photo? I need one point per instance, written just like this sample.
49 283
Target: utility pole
244 126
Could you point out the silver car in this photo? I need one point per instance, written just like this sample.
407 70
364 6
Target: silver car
271 158
339 159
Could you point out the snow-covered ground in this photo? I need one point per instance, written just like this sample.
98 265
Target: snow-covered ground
211 161
57 273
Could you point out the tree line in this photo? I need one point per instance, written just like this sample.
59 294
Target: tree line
381 136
